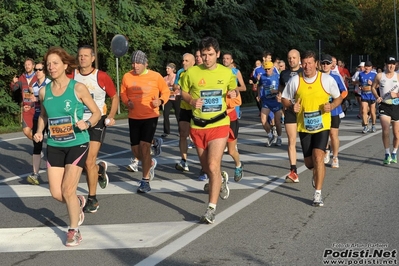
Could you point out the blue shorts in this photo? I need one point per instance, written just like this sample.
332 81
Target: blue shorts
273 105
367 97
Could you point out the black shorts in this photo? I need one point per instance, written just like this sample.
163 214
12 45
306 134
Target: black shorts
390 110
335 121
142 130
97 133
59 157
289 116
185 115
234 127
310 141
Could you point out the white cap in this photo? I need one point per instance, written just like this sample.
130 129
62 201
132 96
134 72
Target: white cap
361 64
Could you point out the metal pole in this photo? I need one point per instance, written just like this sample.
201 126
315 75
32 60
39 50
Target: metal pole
117 83
93 14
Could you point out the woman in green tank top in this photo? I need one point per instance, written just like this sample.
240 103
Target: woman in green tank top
67 143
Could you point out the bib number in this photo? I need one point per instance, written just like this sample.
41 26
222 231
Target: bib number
212 101
313 121
61 129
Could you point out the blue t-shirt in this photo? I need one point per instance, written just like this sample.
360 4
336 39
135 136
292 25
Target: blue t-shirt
364 78
266 84
337 110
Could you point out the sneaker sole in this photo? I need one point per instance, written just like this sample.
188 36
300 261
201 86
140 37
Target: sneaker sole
225 181
32 181
82 203
106 181
203 220
318 204
74 244
153 167
289 180
177 167
130 169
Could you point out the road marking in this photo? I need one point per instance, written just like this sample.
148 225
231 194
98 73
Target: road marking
109 236
130 187
195 233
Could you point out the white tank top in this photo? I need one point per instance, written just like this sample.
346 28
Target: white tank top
388 85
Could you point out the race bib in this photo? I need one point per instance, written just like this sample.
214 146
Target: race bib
313 121
61 129
212 101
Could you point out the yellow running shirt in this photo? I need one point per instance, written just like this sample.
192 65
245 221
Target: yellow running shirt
314 93
212 87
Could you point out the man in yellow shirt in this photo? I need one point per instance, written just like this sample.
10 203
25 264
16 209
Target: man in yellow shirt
205 88
308 94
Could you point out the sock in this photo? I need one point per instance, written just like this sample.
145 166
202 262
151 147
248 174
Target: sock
387 151
146 179
318 191
394 150
76 229
238 165
293 167
89 197
212 206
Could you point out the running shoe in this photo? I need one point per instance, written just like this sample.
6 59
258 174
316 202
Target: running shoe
202 176
134 166
91 205
279 142
313 182
152 169
394 158
191 145
164 135
224 190
238 173
373 129
73 238
317 200
274 131
335 162
209 216
102 174
292 177
82 203
157 146
387 159
144 186
226 149
41 155
365 129
270 140
33 179
206 187
182 166
327 156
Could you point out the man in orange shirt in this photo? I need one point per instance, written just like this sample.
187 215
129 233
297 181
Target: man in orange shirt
143 91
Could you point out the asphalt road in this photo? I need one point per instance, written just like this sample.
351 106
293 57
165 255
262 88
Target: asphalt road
264 221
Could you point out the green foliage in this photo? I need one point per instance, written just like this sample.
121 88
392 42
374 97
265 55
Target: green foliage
10 111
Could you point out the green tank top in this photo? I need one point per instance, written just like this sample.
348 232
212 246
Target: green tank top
63 112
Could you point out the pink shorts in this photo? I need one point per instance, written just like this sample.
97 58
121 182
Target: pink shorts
201 137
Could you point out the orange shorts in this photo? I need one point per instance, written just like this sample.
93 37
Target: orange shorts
201 137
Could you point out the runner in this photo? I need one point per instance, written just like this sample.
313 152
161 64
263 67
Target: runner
174 99
205 88
308 95
336 114
290 124
267 93
100 85
63 102
366 78
22 85
143 91
41 82
185 114
387 82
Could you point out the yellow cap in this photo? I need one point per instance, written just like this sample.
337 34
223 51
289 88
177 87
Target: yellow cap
267 65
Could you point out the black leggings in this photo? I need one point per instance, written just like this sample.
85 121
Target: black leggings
175 104
37 146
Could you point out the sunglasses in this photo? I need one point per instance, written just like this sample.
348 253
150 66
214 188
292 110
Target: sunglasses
325 63
267 68
38 69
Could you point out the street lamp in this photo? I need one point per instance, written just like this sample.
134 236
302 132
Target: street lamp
93 14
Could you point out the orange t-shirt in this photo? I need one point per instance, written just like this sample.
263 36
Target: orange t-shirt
231 106
141 90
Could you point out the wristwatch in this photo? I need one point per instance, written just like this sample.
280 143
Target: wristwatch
88 124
